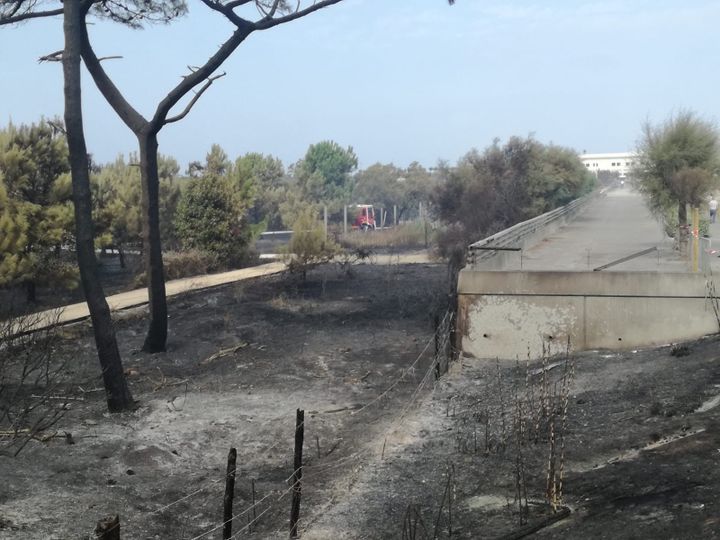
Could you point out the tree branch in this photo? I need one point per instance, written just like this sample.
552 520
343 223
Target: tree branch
57 126
226 10
12 19
237 3
194 100
132 118
13 10
201 74
52 57
270 22
269 14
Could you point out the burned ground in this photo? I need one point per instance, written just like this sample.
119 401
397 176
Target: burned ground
385 444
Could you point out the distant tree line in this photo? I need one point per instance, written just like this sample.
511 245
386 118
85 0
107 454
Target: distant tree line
219 206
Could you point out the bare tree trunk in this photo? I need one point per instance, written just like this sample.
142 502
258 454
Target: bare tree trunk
146 133
116 389
682 228
156 338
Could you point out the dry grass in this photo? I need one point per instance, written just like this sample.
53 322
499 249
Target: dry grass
180 264
193 262
281 302
406 235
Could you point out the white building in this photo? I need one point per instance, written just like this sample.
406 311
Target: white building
619 162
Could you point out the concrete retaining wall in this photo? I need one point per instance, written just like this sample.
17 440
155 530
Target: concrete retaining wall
512 314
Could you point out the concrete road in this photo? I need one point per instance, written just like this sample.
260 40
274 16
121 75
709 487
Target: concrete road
609 228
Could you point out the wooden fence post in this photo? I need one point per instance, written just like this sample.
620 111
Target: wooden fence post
297 475
229 494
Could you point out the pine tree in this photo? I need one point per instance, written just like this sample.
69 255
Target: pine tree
34 165
211 214
117 206
14 267
261 179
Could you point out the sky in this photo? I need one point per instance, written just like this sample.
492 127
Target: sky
398 80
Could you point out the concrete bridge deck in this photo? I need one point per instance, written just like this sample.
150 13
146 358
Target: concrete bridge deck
609 228
527 303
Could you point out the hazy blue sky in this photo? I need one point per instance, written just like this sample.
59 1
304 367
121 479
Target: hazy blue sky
399 80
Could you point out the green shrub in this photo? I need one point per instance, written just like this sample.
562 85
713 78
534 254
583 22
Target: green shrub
211 218
308 246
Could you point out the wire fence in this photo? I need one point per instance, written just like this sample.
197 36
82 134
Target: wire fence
344 465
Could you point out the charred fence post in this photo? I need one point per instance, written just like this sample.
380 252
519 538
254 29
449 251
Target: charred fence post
297 475
229 494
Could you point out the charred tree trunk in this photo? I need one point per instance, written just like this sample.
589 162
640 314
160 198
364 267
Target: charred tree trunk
146 133
156 338
116 389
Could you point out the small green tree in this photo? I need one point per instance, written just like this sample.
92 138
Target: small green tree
677 164
308 246
210 217
262 178
324 174
117 206
217 162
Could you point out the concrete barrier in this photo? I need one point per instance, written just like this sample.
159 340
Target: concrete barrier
514 314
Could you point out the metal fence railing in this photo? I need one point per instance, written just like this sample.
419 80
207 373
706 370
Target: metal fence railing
514 238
